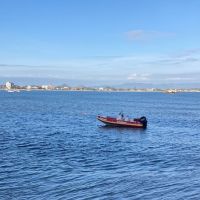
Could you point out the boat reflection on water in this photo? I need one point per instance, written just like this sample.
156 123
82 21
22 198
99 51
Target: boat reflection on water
108 127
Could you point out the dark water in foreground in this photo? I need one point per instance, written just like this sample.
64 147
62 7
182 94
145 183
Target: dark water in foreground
52 147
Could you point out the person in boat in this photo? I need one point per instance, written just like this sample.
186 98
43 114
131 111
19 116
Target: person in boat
121 116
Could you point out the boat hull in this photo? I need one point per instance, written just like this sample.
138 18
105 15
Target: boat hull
121 123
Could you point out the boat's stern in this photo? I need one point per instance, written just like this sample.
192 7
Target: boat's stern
144 121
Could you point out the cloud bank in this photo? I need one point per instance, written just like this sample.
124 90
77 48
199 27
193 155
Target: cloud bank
178 67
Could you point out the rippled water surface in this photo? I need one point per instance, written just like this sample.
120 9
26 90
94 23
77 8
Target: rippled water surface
52 147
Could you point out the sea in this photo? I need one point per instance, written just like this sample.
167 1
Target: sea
53 148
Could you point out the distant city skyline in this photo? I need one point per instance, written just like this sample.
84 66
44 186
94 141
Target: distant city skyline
104 42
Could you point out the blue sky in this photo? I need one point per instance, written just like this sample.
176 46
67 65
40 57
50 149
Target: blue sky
107 41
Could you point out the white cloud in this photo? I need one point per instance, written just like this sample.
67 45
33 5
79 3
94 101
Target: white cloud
180 78
139 77
142 35
141 68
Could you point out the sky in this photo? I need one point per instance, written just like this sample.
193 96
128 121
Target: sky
103 42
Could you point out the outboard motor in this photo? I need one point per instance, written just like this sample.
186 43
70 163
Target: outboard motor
143 120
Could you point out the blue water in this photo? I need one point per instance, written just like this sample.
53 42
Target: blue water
52 147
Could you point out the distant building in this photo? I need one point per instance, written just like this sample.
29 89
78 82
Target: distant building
9 85
65 88
35 87
101 89
29 87
48 87
45 87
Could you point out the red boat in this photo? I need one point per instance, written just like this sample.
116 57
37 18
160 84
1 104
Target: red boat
134 123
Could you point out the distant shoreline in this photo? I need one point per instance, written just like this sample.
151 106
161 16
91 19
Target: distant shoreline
106 91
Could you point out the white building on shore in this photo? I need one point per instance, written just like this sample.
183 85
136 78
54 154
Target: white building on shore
48 87
29 87
9 85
